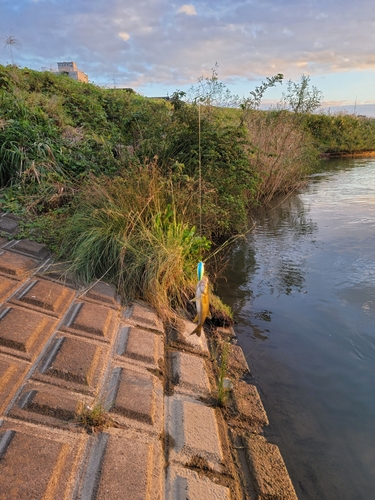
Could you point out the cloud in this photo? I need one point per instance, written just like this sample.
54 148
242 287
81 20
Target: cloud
124 36
187 9
172 47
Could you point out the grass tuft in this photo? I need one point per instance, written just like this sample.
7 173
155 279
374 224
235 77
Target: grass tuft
136 232
94 417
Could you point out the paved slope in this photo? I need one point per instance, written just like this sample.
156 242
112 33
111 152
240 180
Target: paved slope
65 351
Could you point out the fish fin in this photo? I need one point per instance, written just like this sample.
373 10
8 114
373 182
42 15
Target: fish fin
209 316
195 319
197 331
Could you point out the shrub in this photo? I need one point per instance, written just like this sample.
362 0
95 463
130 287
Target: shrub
283 153
341 133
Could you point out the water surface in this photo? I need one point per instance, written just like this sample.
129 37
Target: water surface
302 288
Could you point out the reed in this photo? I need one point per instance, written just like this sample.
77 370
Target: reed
282 153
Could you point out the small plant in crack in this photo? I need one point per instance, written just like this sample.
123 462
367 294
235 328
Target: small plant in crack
94 416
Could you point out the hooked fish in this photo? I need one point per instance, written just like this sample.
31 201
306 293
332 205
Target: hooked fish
203 305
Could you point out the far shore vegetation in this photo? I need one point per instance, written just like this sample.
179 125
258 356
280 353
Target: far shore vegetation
136 191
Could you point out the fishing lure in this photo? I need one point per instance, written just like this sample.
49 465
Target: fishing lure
200 270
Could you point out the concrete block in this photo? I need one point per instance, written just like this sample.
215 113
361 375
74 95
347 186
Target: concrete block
142 315
186 484
189 374
184 337
72 363
135 397
236 361
249 404
23 333
140 345
127 466
268 469
16 266
103 293
7 287
59 271
34 467
45 296
3 241
11 377
92 320
194 433
47 405
226 333
8 225
30 248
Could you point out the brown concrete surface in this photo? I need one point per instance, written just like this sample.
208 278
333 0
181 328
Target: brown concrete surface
64 350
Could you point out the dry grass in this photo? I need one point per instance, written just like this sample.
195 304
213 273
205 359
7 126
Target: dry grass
93 417
135 231
282 153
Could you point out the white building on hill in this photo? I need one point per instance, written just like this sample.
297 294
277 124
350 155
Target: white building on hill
70 69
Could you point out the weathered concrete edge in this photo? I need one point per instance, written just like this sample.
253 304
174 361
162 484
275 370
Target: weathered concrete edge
264 460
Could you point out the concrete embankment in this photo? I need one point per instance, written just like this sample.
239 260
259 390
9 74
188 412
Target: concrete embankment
102 401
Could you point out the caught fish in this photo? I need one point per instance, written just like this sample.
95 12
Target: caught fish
203 305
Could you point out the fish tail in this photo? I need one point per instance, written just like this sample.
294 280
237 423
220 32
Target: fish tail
197 331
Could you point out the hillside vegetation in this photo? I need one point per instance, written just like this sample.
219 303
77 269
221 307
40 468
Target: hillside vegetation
142 187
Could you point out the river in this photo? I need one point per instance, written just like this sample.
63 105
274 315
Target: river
302 288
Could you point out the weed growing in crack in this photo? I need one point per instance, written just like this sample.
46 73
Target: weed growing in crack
222 385
93 417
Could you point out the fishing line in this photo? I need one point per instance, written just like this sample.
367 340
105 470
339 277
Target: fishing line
199 170
200 267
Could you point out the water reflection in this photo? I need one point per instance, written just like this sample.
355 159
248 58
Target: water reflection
277 240
263 315
302 287
272 261
290 276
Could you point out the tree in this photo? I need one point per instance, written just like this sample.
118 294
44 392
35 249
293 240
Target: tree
9 42
177 99
256 95
300 98
211 92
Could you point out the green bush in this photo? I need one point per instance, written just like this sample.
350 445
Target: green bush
341 133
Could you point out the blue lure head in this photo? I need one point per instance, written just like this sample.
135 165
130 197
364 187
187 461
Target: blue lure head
200 270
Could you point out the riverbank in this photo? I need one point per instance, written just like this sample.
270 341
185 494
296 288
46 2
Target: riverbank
102 399
366 154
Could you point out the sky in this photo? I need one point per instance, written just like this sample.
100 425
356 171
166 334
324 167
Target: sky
159 46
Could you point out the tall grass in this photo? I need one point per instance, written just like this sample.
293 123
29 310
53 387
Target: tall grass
136 231
283 152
